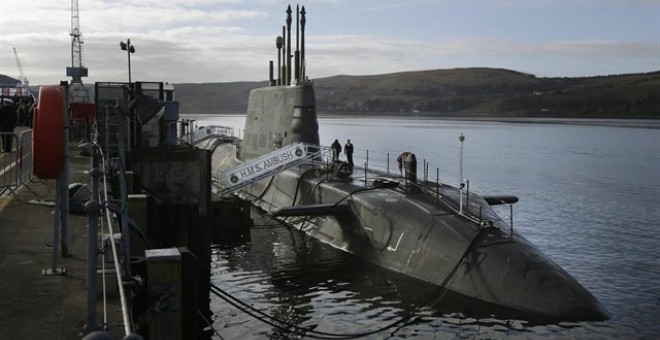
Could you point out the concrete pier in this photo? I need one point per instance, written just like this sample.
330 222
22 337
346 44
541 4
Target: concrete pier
34 306
37 306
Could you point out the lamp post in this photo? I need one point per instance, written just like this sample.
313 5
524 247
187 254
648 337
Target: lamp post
126 46
461 184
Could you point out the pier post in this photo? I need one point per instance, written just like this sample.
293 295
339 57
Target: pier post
92 208
64 214
164 284
190 323
54 270
137 211
123 193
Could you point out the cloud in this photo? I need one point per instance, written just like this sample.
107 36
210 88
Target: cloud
220 41
372 54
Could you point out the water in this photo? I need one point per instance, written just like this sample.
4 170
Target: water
589 199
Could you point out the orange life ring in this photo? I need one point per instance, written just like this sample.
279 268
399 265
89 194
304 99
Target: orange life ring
48 133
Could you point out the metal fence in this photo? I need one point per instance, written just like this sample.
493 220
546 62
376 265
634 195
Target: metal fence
15 165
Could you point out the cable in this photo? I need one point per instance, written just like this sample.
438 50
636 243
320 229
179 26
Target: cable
117 210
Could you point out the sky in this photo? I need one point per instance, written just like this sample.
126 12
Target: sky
204 41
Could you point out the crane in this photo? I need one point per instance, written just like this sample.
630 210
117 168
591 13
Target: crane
77 91
23 80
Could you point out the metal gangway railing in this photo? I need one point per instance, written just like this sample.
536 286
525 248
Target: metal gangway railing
266 166
220 133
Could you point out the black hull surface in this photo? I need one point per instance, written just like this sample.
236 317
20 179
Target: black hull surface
416 230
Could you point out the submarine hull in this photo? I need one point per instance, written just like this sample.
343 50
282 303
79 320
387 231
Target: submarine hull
412 228
405 230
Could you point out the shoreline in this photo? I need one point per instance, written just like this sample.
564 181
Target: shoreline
642 123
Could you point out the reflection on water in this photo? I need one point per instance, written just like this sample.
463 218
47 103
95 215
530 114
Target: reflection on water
589 199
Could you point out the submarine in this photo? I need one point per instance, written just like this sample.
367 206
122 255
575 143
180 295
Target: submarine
434 232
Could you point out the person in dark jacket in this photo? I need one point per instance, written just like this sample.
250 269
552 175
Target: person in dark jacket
348 150
336 150
8 120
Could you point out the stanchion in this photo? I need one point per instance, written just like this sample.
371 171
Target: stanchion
92 208
54 105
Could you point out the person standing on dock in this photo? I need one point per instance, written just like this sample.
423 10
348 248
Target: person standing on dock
7 124
336 150
22 109
348 150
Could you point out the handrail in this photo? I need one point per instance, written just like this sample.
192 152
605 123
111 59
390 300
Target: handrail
122 295
266 166
207 132
98 152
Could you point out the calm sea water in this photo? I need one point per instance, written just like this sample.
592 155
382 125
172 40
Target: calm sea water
589 199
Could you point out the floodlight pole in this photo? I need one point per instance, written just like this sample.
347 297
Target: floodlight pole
129 48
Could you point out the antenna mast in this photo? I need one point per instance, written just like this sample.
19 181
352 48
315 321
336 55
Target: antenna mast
77 91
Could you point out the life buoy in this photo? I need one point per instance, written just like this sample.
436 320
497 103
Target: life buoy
48 133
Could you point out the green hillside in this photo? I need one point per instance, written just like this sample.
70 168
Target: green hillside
455 92
215 97
491 92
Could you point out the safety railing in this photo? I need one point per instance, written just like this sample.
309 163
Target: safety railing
213 131
100 201
268 165
370 164
15 160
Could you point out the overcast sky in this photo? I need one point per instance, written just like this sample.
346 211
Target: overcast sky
182 41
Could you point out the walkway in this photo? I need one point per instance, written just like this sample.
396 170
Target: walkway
33 306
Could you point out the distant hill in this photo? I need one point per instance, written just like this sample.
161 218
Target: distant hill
215 97
454 92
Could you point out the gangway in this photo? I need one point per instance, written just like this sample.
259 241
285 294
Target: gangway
222 133
266 166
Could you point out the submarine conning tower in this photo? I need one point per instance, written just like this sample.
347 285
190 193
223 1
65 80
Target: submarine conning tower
285 112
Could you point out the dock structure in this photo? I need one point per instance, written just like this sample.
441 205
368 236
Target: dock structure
135 255
36 306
